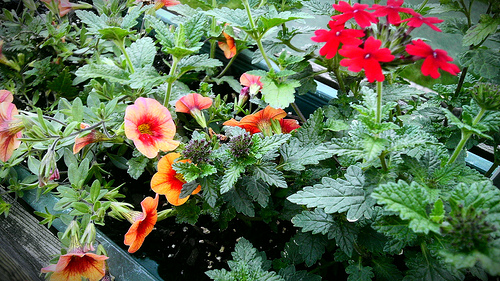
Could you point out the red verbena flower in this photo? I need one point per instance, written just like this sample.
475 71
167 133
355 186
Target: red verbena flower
336 35
259 121
368 58
417 20
150 126
10 127
227 46
77 264
433 59
357 11
142 223
391 11
168 182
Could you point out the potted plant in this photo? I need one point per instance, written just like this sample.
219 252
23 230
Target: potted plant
145 126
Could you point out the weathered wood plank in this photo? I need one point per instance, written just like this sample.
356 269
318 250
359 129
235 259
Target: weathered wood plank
25 245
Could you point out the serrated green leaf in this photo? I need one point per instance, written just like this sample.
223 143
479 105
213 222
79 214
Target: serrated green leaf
296 155
410 201
235 17
94 22
437 213
231 176
385 269
395 227
112 73
268 172
268 144
311 246
274 18
477 33
428 268
316 221
142 53
337 195
198 63
133 13
147 78
258 190
114 33
482 62
358 272
241 201
345 234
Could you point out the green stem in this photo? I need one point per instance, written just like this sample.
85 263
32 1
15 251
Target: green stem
171 73
227 66
465 137
422 6
461 81
338 75
299 113
258 39
491 169
121 46
379 103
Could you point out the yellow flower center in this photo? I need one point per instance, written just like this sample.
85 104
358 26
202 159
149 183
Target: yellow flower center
145 129
180 177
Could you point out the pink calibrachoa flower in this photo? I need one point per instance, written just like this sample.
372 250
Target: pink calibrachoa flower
150 126
193 104
357 11
368 58
391 11
227 46
433 59
336 35
168 182
142 223
165 3
417 20
252 82
91 137
10 127
77 264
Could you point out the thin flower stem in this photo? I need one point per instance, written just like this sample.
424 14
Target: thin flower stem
175 61
465 137
299 113
258 39
379 103
227 66
461 81
121 46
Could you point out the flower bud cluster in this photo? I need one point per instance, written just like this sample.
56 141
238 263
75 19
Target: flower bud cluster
487 95
469 228
240 145
197 150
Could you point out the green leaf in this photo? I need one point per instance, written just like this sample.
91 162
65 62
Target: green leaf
136 166
241 201
358 272
94 23
147 78
385 269
428 268
279 95
477 33
267 172
133 13
437 213
235 17
395 227
247 264
296 154
477 129
231 176
410 201
311 246
482 62
373 147
269 144
198 63
258 190
110 72
274 18
345 234
291 274
142 53
63 84
338 195
114 33
316 221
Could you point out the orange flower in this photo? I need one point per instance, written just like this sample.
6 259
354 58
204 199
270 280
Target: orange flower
259 121
10 127
77 264
142 223
288 125
92 137
193 104
149 124
165 3
227 46
168 182
252 82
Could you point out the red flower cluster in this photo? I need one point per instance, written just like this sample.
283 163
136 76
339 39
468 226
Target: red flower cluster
365 49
